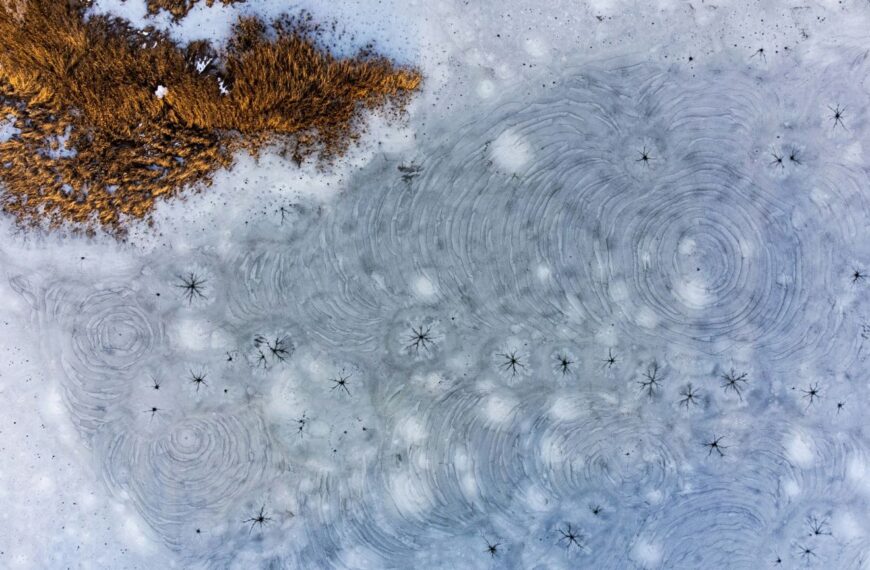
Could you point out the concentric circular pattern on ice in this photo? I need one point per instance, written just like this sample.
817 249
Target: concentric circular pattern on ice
193 470
497 303
111 333
545 217
702 242
696 260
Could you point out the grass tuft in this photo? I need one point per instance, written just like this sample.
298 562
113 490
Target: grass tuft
113 119
180 8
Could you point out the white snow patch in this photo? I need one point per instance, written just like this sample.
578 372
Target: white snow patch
8 129
687 246
485 89
510 152
847 527
423 287
409 493
565 409
191 333
535 47
536 498
647 554
646 317
202 63
799 450
499 408
57 147
791 488
693 293
412 430
618 291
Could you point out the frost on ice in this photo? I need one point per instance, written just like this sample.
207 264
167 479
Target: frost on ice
615 319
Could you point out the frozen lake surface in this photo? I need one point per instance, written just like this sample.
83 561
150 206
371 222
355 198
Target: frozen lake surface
611 313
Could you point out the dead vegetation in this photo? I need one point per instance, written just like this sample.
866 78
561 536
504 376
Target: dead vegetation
180 8
113 118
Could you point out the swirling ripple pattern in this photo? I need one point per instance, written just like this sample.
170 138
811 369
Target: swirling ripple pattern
519 354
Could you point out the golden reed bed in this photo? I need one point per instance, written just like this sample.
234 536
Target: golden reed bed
180 8
144 121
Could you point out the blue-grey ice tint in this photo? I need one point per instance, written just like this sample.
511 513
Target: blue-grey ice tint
619 322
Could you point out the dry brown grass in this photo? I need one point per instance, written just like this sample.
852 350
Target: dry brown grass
180 8
95 81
